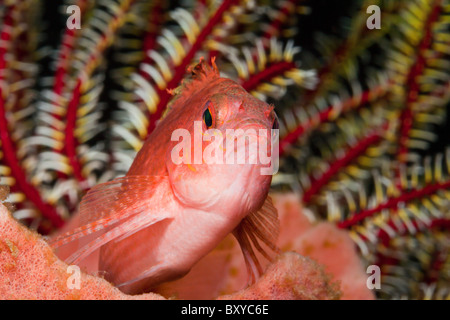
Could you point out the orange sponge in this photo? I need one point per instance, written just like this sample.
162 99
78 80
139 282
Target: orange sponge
30 270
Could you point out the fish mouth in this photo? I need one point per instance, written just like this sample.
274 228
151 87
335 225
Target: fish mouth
252 143
252 123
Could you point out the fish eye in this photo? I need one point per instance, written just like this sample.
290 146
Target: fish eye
207 118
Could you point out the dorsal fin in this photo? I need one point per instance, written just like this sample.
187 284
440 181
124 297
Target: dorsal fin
200 75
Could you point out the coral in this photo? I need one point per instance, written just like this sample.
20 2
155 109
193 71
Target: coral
30 270
363 112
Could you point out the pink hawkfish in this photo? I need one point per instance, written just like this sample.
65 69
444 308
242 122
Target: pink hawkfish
164 215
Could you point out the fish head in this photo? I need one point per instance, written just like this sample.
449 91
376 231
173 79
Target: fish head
221 156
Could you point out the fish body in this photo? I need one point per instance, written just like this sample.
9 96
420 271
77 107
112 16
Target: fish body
155 223
166 251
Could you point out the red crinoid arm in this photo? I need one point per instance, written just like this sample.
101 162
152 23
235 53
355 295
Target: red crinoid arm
351 154
70 141
180 70
272 71
8 146
413 88
155 23
329 113
393 202
437 258
385 237
67 45
437 265
287 9
9 150
62 69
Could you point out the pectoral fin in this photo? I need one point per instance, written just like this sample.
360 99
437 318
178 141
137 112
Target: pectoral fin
256 231
115 209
